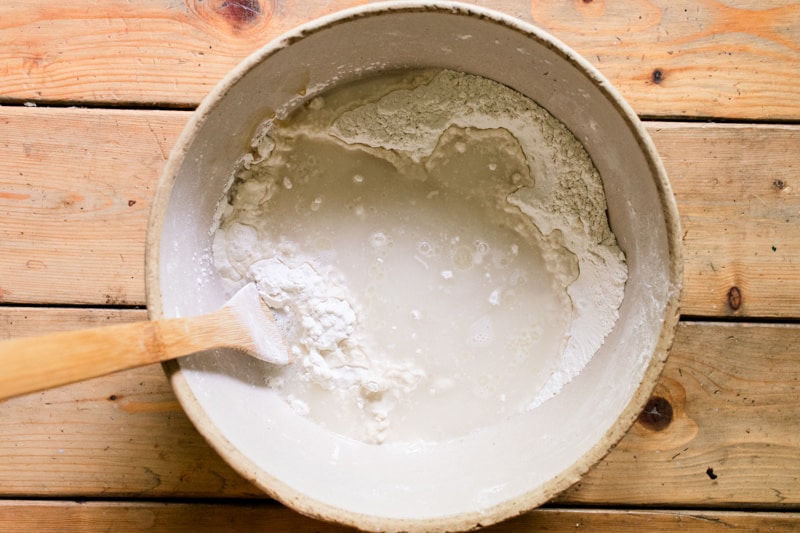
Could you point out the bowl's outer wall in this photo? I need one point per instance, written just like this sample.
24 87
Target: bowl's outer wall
492 474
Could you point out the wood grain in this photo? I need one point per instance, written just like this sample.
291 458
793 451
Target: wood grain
75 191
136 517
738 194
733 435
732 390
688 58
722 431
76 185
732 59
150 52
123 434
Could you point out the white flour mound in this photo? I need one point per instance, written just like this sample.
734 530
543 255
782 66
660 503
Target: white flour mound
321 321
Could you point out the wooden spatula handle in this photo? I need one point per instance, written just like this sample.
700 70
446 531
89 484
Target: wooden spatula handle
37 363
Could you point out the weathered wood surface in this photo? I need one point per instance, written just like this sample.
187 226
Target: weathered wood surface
732 390
733 435
738 194
120 435
723 431
732 58
76 185
75 191
136 517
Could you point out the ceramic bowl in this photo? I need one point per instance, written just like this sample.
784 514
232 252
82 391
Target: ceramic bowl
488 475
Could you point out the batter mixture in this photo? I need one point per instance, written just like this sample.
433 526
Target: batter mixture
435 247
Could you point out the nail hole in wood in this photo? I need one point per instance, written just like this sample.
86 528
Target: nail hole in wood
658 76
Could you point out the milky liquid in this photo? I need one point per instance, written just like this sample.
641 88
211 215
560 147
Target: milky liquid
447 278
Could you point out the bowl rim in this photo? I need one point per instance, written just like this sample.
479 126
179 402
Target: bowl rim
275 487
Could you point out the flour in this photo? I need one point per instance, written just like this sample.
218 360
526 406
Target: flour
437 251
319 316
564 198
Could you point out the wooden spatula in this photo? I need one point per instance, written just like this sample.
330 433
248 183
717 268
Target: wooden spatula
244 323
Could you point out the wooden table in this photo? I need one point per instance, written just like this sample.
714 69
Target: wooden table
94 94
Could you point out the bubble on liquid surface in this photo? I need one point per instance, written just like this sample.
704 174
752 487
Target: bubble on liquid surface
482 249
425 248
378 240
481 332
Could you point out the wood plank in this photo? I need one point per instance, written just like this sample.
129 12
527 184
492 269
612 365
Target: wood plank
738 194
29 322
733 59
124 434
75 191
732 390
688 58
77 235
147 52
733 435
135 517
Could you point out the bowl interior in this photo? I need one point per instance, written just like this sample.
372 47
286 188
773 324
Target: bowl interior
488 475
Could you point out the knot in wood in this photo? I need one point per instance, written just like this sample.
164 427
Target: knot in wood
735 298
234 15
657 414
240 13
